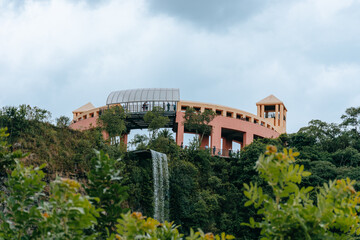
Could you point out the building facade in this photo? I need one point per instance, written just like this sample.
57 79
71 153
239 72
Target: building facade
229 125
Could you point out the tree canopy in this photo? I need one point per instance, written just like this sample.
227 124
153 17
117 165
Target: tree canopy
112 120
199 121
156 120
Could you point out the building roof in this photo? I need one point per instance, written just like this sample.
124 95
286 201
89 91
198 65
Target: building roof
270 100
143 95
85 108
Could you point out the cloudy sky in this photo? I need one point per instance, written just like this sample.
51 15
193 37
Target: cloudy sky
61 54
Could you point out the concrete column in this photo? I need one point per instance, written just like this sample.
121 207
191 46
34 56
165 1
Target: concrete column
124 138
216 137
227 143
276 115
258 111
281 115
248 138
105 135
262 111
180 134
205 141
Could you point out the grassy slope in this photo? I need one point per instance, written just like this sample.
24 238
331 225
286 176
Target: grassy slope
66 152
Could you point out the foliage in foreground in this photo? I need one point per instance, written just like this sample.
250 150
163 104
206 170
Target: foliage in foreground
136 226
65 212
105 183
289 213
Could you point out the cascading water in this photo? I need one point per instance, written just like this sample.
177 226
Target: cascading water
161 185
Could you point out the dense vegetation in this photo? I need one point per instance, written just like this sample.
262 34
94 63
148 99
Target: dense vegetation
206 191
288 211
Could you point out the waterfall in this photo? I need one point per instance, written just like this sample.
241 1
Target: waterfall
161 185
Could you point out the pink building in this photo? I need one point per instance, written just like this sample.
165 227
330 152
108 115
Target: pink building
229 125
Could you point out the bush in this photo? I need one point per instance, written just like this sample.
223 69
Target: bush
136 226
28 215
106 185
288 212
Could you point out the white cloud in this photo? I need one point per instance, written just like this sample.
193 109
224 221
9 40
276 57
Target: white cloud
60 54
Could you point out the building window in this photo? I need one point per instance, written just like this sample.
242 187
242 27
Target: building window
183 108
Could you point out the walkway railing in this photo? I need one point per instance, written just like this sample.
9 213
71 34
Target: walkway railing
149 106
224 152
221 152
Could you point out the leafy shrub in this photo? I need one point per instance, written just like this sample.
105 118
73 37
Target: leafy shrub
62 121
21 215
112 120
7 157
28 215
288 212
67 214
136 226
106 185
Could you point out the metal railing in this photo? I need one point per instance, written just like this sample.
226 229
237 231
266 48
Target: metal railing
149 106
224 152
221 152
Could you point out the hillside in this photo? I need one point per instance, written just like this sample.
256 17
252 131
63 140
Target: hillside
66 152
205 191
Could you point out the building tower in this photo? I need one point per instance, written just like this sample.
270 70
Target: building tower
273 111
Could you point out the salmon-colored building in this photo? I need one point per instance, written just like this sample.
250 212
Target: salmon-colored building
230 125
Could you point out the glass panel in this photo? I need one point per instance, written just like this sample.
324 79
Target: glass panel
143 95
162 95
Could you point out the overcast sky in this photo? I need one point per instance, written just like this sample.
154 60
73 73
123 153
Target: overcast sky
61 54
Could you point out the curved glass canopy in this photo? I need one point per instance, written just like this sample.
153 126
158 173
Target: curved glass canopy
144 95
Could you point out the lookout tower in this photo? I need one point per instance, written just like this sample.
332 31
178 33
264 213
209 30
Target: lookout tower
273 111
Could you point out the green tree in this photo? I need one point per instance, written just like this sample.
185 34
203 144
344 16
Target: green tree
165 143
112 120
21 215
67 214
19 119
7 158
329 136
62 121
165 133
156 120
351 118
199 122
289 213
136 226
107 189
140 141
28 215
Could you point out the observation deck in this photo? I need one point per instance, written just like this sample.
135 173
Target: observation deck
229 125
